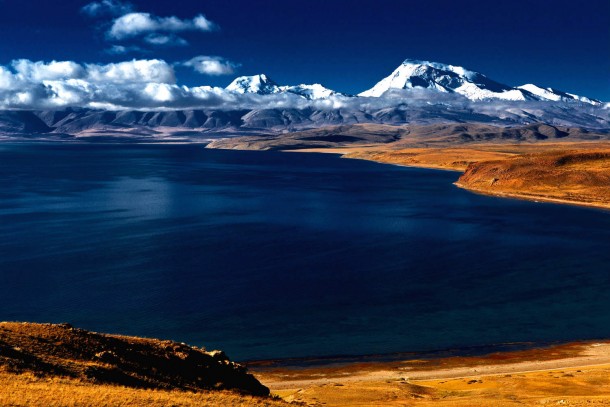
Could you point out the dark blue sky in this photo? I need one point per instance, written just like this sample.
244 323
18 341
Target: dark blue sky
347 45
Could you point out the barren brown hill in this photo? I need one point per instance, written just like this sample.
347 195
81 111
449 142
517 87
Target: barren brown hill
34 354
442 135
573 176
455 159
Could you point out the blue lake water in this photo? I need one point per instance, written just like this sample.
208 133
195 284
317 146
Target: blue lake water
270 255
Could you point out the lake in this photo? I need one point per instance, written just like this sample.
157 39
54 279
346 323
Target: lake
275 255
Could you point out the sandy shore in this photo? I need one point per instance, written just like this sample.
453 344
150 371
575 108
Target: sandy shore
573 374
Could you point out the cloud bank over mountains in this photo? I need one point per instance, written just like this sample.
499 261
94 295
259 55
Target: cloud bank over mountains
136 84
151 84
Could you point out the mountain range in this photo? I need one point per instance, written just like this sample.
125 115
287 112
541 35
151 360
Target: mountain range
416 74
472 85
416 92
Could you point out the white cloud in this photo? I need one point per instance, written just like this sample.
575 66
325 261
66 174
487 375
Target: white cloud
135 24
57 84
107 8
140 84
208 65
68 92
123 49
160 92
54 70
161 39
7 79
136 71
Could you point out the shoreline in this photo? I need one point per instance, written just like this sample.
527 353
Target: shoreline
346 153
555 372
535 198
502 357
477 351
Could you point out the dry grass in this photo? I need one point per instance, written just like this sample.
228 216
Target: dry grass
456 159
57 365
589 387
29 390
572 176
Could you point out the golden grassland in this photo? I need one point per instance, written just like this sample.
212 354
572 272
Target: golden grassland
454 159
29 390
571 176
58 365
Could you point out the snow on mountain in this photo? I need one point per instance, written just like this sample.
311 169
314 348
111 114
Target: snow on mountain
413 74
259 84
311 92
473 85
556 95
445 78
263 85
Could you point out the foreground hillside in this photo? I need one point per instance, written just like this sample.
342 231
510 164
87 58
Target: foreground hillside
45 364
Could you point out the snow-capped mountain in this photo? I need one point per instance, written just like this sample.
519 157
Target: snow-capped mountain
556 95
413 74
263 85
456 79
259 84
444 78
311 92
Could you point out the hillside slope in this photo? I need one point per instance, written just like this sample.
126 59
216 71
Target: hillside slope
60 351
572 176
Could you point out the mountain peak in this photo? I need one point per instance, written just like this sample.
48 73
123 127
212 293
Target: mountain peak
445 78
413 73
260 84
